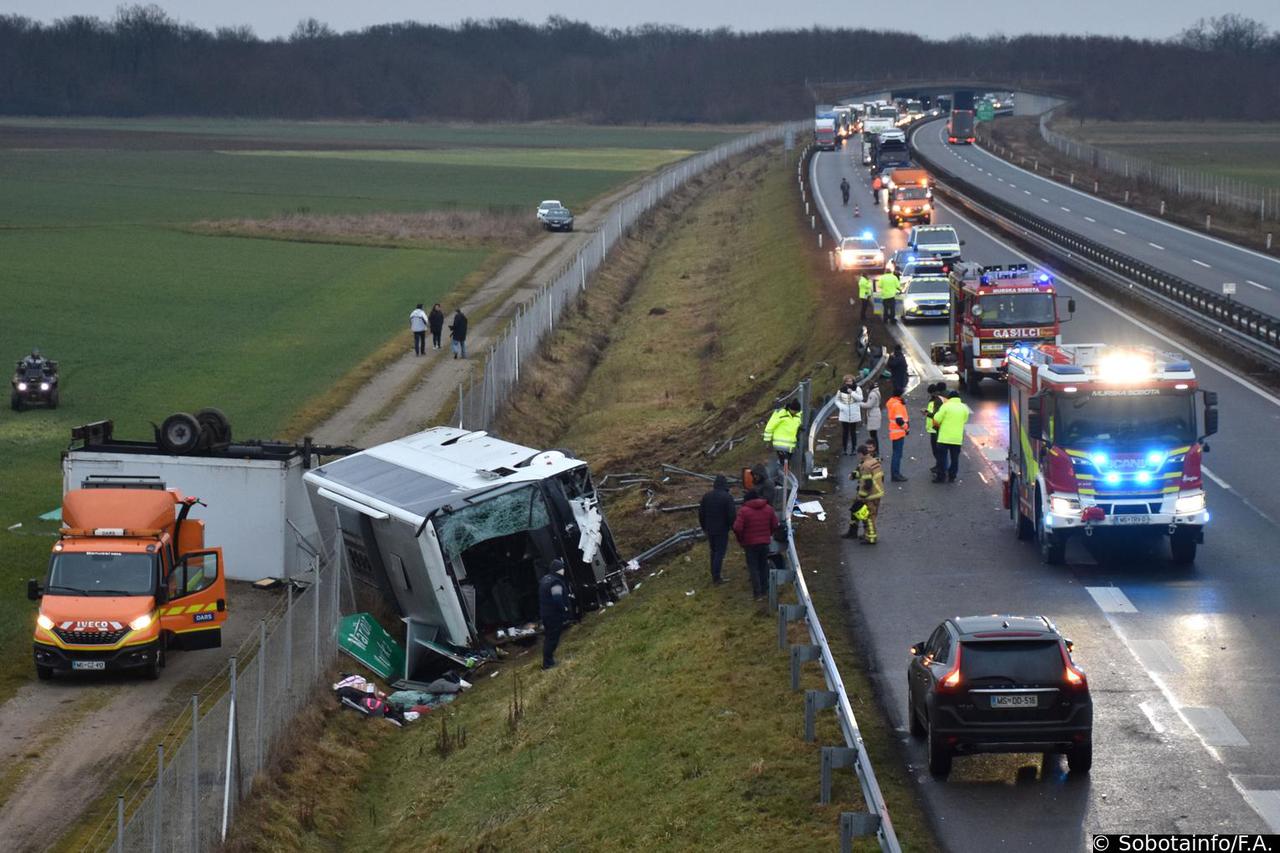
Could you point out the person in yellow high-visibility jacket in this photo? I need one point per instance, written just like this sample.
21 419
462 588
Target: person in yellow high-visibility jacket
864 293
889 285
950 419
782 432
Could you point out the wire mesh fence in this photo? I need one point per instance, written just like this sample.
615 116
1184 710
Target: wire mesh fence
482 396
188 792
1186 183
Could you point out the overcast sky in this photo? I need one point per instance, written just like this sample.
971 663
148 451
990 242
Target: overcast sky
934 18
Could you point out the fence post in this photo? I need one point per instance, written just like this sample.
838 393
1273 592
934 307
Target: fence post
1162 208
582 273
1126 196
231 739
195 772
1268 240
1073 179
119 845
157 794
259 763
1208 219
819 239
1095 187
288 627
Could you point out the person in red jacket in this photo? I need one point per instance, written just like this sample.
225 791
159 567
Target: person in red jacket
753 527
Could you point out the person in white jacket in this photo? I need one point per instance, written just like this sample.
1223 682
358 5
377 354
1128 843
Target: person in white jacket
418 325
849 405
871 409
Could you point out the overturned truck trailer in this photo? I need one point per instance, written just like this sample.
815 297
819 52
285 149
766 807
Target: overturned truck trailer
457 527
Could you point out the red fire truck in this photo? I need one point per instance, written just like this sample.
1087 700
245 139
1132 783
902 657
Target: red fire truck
1104 440
992 309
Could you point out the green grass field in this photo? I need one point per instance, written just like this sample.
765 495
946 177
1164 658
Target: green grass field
577 159
543 135
148 317
1248 151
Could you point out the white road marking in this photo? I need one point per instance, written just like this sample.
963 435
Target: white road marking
983 477
1012 184
1265 803
1214 727
1117 230
1046 201
1028 192
1148 708
1155 245
1067 209
1001 180
1090 219
1111 599
1212 476
1157 656
1201 263
1255 284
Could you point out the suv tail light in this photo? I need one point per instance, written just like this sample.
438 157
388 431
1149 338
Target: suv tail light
1075 679
951 681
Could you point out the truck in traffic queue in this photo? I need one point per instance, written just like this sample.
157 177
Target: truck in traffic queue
129 577
824 134
910 196
994 308
960 127
1105 441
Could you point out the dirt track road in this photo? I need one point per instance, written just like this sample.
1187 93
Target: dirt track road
64 740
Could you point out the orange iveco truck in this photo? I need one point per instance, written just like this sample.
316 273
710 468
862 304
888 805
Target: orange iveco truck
129 577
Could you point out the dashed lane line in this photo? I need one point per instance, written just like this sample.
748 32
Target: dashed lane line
1111 599
1067 209
1155 245
1118 231
1255 284
1214 726
1090 219
1201 263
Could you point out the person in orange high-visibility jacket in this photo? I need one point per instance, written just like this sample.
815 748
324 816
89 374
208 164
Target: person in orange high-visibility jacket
899 428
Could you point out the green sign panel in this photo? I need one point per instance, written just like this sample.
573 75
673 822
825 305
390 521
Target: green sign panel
986 111
364 639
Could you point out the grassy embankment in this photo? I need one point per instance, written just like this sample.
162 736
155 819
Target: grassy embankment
670 724
1242 151
148 314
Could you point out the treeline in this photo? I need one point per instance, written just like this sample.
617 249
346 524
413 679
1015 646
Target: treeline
143 62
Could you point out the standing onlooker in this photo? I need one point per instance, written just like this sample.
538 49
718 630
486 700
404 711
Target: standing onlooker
754 528
950 420
871 415
864 294
435 320
930 408
897 365
458 334
418 325
849 405
889 285
899 429
763 485
716 514
553 608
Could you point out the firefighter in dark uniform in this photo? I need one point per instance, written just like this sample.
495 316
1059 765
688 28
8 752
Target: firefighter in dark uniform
553 606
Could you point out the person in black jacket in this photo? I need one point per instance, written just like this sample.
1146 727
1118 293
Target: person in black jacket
553 607
897 366
435 322
716 513
458 334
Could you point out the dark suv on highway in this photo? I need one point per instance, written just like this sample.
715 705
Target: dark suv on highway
999 684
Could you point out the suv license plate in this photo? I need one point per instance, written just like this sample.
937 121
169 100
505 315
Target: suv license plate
1017 700
1132 519
88 664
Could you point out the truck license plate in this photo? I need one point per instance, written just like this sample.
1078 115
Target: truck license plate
1015 700
1132 519
88 664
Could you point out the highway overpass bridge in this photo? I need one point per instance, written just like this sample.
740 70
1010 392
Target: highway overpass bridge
1035 94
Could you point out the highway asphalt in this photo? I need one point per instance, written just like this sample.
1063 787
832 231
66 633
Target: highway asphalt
1181 661
1192 255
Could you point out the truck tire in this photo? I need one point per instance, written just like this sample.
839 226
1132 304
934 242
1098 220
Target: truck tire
216 424
972 381
44 673
1053 548
1025 528
179 434
1183 548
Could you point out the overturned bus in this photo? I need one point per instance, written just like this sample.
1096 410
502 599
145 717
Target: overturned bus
457 527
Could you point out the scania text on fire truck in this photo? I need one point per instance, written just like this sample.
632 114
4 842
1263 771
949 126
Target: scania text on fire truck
994 308
1104 440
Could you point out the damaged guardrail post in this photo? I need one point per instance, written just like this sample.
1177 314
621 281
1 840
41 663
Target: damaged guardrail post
815 701
777 577
800 654
787 613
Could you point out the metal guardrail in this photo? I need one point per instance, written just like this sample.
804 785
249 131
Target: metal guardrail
875 820
1212 312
